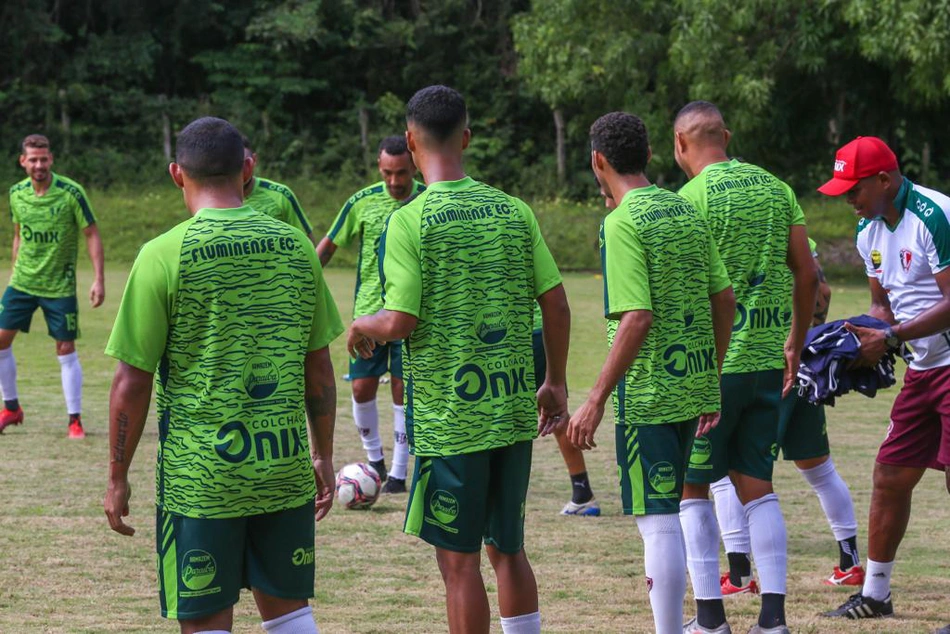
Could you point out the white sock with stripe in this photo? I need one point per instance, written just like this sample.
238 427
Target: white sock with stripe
877 579
400 444
366 417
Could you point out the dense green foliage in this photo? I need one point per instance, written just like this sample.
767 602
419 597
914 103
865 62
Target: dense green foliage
316 83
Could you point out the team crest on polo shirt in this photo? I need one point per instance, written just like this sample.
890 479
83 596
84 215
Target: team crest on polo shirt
906 258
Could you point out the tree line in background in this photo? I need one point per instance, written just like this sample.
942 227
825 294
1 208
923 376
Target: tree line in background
316 83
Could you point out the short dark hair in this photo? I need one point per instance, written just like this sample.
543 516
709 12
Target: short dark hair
622 139
247 142
210 147
700 107
393 146
35 141
439 110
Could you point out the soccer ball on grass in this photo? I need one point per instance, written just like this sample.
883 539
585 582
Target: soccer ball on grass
357 486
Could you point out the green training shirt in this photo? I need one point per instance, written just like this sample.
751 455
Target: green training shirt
49 236
278 201
658 254
468 260
364 216
750 212
224 307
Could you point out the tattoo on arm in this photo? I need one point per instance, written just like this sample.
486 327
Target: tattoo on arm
118 451
322 404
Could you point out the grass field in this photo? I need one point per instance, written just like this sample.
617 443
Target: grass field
63 570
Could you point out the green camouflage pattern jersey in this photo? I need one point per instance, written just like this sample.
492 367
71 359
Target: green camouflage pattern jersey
225 306
364 216
468 260
750 212
658 254
278 201
49 236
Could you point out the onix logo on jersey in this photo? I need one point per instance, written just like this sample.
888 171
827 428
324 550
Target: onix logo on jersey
236 443
40 237
682 362
472 384
759 317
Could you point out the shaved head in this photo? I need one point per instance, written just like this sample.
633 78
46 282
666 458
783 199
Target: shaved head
702 123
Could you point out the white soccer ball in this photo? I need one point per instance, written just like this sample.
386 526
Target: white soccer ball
357 486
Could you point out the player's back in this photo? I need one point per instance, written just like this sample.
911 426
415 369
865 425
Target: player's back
469 360
242 290
657 232
750 213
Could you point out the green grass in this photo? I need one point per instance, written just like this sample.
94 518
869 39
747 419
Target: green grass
63 570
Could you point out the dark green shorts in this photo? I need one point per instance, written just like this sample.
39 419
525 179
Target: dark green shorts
459 501
61 313
387 357
651 460
802 429
746 439
204 563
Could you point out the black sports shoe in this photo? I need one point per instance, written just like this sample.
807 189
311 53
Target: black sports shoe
862 607
380 467
394 485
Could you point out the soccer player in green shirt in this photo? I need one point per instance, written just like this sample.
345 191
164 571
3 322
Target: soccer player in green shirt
363 218
273 198
231 310
669 306
49 211
463 265
760 231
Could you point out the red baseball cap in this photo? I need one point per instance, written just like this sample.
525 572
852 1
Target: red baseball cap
863 157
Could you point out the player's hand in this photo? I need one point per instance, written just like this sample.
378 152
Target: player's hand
873 346
359 345
552 408
323 476
116 506
584 422
792 361
97 294
706 423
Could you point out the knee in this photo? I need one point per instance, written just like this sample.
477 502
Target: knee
505 561
456 566
65 347
895 481
364 390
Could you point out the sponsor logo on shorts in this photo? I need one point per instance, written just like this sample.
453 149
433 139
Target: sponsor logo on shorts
662 477
198 569
444 506
491 325
261 377
773 451
302 556
702 452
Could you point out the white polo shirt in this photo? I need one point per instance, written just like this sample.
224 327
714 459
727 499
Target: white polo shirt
905 259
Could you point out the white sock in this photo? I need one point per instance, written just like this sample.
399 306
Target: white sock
877 579
8 375
769 543
71 374
296 622
366 417
522 624
401 444
835 498
701 534
665 564
731 516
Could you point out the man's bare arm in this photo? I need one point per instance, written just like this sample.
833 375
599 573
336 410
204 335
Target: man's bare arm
552 396
723 306
385 325
128 408
325 250
97 293
320 398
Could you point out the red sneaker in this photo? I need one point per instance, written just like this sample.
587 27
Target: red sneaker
9 417
853 576
75 429
727 588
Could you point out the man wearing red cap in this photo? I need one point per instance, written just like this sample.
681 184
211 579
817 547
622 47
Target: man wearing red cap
904 239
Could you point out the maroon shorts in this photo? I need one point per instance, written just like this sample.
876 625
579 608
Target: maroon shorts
919 433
